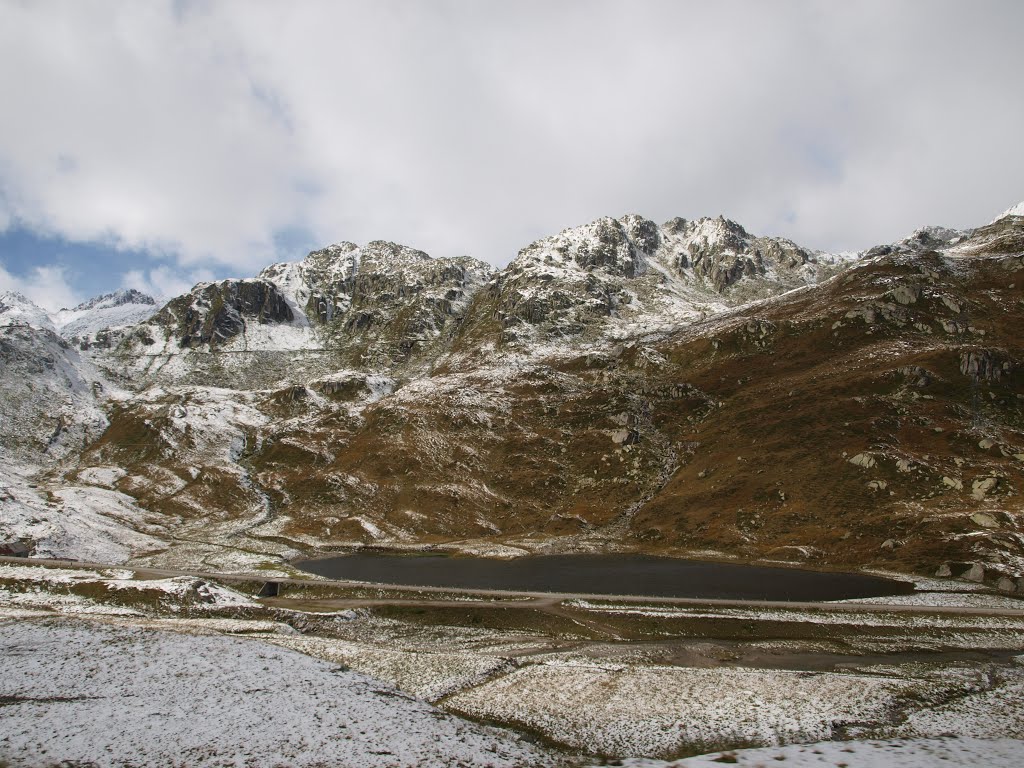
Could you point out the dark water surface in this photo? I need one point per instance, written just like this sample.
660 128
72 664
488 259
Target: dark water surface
606 575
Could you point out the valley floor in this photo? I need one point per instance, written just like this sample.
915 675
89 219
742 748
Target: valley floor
116 667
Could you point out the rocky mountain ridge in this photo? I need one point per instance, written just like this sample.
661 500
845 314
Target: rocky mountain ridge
683 388
384 306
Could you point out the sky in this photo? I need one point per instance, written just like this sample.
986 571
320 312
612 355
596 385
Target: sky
154 144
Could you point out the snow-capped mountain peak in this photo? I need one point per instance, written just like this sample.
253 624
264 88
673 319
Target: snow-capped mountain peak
1017 210
111 310
17 309
118 298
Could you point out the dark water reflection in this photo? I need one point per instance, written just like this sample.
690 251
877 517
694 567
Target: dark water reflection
607 575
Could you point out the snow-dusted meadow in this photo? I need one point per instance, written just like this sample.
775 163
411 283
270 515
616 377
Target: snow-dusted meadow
888 753
112 695
119 668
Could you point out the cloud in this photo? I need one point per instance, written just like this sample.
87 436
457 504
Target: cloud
163 282
201 132
47 286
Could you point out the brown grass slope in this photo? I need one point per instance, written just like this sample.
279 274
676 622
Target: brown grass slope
875 419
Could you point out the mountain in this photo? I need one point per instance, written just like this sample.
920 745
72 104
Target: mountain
109 311
51 395
17 310
1017 210
687 388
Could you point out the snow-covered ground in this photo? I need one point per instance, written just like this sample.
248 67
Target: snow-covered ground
889 753
946 599
663 709
117 696
74 521
609 697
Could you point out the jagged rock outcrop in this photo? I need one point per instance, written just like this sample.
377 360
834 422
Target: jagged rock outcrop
565 281
720 253
384 302
620 268
214 313
984 364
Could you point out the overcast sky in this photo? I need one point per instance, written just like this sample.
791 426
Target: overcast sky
152 144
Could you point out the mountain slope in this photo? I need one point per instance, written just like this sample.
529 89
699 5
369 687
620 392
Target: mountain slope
683 388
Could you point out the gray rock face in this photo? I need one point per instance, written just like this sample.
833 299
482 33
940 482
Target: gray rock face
566 280
983 364
216 312
720 252
386 299
975 573
865 460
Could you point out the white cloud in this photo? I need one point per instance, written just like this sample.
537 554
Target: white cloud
203 130
163 282
47 286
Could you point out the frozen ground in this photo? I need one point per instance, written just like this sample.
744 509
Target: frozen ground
613 710
890 753
118 696
599 678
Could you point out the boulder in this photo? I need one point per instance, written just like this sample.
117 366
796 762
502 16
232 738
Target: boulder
975 573
865 460
981 486
984 520
951 304
906 294
16 549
